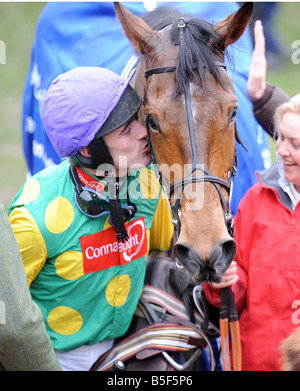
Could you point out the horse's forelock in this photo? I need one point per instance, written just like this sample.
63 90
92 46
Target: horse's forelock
200 48
201 45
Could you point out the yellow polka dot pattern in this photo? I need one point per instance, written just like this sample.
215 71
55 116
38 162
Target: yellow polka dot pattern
69 265
59 215
149 184
106 224
30 192
117 290
65 320
47 200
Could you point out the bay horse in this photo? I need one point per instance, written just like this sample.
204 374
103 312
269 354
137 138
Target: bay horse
190 109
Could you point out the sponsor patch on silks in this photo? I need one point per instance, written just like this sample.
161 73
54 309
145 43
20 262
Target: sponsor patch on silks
102 249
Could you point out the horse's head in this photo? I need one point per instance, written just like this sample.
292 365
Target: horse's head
190 110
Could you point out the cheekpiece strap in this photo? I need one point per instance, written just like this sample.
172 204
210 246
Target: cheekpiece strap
181 25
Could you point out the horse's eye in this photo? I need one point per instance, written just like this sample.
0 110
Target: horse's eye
232 116
153 124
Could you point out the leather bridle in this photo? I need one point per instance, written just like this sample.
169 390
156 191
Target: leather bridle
196 164
228 311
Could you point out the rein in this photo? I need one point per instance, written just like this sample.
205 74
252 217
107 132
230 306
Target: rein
228 311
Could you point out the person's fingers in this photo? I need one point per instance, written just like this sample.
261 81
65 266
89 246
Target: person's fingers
259 37
225 284
256 83
258 68
230 272
230 277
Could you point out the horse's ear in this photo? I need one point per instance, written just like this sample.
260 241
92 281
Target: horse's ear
142 37
233 27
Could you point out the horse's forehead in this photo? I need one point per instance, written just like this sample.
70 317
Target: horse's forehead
164 50
221 93
162 87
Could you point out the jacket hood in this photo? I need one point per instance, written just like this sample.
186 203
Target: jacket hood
271 178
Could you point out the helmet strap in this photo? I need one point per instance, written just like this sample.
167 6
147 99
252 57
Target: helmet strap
83 161
99 155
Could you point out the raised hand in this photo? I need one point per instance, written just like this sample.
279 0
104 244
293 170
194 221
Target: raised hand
256 84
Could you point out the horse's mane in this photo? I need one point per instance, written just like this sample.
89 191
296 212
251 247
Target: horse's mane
200 48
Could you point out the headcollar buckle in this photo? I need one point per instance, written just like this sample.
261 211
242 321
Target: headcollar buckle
181 22
181 26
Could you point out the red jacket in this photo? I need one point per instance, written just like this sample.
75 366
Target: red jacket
267 293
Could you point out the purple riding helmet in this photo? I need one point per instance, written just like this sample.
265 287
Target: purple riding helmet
85 104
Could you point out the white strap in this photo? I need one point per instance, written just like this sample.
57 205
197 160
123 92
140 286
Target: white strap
170 303
160 337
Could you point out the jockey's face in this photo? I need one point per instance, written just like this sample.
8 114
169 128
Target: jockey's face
129 147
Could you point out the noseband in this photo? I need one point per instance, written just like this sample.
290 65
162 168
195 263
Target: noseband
196 164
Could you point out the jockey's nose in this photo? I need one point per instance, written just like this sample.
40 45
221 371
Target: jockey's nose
141 130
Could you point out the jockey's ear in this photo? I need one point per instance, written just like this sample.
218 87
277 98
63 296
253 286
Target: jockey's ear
85 152
83 158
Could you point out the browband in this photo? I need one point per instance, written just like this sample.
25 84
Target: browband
172 68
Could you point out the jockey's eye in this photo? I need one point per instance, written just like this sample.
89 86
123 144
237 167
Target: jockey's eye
232 115
152 123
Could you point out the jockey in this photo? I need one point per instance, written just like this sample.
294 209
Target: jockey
85 226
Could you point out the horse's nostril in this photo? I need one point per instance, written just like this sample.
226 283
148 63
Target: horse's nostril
222 256
188 257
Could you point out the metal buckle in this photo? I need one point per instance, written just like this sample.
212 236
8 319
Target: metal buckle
181 25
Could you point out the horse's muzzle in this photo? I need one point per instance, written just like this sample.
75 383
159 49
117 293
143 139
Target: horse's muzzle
210 270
